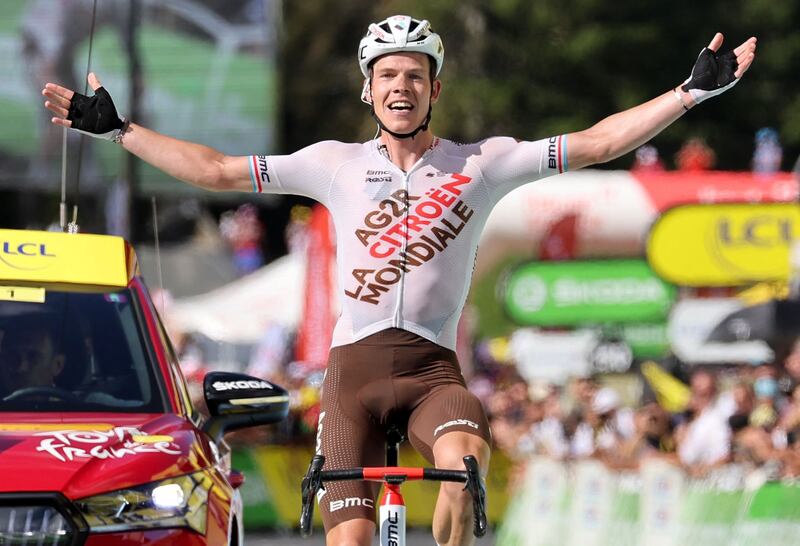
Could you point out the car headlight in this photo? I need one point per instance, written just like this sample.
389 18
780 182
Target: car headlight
174 502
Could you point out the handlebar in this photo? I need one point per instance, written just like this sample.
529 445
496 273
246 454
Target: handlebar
315 479
312 482
478 491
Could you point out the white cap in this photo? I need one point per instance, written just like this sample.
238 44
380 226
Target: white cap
605 400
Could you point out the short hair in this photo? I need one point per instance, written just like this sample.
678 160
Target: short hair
431 65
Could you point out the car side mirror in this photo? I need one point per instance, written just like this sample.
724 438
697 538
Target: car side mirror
237 401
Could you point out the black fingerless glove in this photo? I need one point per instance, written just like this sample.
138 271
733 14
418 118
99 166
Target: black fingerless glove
712 74
96 116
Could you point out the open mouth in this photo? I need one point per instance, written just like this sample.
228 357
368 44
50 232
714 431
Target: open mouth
401 106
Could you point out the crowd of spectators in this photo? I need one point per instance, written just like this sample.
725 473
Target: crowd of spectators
743 416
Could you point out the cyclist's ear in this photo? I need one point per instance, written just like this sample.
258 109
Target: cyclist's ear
436 91
366 91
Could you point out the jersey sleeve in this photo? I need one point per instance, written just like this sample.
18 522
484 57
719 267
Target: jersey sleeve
507 164
307 172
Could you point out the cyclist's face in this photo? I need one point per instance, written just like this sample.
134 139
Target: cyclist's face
402 90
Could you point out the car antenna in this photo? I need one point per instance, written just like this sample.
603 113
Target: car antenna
158 255
72 227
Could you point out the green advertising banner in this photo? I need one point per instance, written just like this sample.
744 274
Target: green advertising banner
646 340
586 292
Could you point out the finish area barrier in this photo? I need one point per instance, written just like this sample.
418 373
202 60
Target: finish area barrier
584 503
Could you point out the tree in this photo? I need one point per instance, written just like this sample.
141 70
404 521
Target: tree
534 69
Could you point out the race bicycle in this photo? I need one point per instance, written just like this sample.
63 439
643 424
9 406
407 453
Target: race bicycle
392 519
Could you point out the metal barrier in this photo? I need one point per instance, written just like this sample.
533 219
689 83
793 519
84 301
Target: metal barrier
585 503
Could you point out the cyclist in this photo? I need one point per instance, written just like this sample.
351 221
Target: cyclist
408 209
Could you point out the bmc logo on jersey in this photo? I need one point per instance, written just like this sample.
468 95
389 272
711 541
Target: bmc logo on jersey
378 176
350 502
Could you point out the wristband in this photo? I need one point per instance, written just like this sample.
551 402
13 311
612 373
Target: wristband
679 99
119 133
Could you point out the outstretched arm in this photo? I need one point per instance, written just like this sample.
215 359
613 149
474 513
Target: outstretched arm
620 133
193 163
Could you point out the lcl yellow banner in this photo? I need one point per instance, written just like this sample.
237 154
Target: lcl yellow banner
724 244
34 257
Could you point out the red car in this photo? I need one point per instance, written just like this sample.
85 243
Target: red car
99 441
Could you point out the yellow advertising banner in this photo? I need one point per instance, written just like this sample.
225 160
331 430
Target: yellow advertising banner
729 244
42 257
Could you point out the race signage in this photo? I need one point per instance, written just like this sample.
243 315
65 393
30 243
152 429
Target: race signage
552 356
692 321
586 292
724 244
611 356
65 258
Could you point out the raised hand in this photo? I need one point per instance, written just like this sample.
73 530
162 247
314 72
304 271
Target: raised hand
714 73
95 116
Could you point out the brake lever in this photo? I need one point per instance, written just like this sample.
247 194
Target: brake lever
312 482
478 492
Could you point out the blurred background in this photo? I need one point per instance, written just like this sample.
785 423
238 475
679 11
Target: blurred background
631 328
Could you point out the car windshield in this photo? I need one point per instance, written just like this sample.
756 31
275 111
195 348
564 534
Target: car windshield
76 352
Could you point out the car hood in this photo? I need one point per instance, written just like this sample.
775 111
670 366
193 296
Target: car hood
86 454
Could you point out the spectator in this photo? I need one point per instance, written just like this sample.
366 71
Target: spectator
581 392
765 413
695 155
790 416
703 441
244 232
647 159
506 411
548 433
750 445
653 437
791 368
743 400
791 457
606 427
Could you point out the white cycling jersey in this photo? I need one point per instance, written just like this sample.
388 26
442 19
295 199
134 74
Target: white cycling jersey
406 241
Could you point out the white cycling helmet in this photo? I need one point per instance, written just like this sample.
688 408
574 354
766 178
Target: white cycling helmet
399 33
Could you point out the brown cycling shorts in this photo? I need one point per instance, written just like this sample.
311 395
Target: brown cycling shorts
395 378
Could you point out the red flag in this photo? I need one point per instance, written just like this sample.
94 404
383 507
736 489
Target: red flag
316 327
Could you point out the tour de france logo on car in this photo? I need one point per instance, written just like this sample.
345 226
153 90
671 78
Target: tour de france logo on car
25 255
119 442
